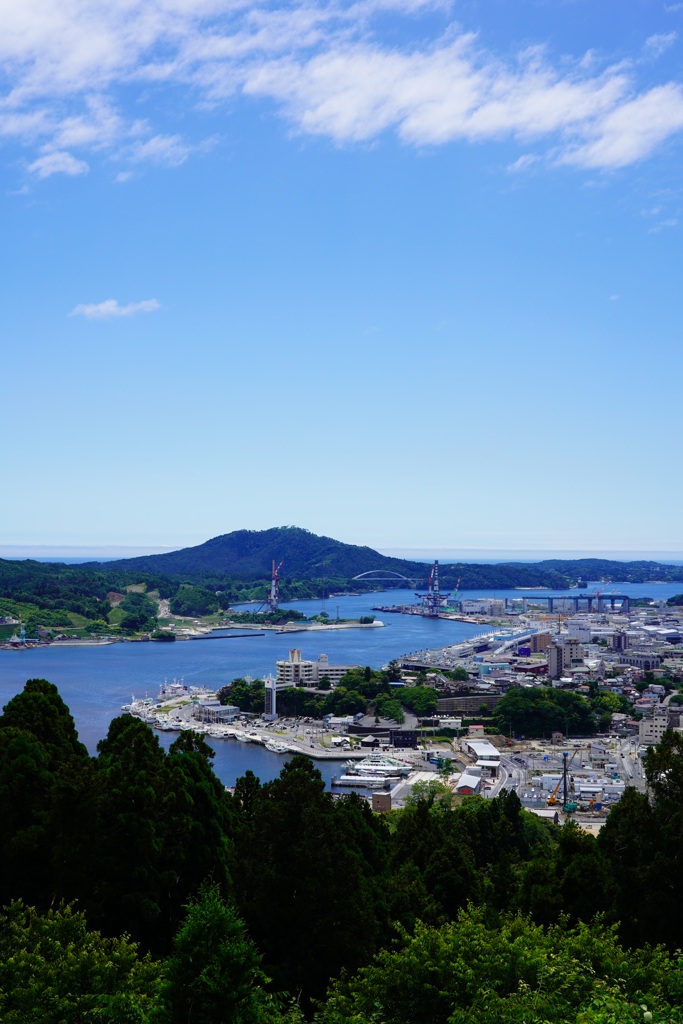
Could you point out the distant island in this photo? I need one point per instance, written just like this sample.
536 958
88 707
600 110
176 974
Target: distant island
131 595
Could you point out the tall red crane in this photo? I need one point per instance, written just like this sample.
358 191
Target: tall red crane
274 596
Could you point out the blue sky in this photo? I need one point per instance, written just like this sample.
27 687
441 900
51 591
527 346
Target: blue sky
400 272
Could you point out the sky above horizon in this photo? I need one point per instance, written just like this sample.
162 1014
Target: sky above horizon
401 272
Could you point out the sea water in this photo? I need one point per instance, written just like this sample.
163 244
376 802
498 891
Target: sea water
96 681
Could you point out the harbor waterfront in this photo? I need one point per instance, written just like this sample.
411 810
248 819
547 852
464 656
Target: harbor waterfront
95 681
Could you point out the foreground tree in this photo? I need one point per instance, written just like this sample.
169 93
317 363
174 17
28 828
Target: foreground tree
44 780
476 971
53 970
214 974
309 878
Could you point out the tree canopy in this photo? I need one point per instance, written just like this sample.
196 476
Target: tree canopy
449 910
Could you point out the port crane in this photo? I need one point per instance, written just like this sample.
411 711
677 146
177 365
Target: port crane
457 589
272 602
433 599
274 596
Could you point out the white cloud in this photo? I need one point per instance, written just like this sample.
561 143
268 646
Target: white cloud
72 67
111 308
58 162
632 130
523 163
166 150
671 222
659 43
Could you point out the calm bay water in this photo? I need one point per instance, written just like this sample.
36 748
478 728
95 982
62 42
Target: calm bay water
96 681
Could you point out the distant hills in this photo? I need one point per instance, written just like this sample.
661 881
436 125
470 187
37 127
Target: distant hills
236 567
248 555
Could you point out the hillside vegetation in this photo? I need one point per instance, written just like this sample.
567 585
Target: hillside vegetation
249 554
152 907
236 567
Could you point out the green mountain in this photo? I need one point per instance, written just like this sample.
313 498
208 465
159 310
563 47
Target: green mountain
249 554
238 565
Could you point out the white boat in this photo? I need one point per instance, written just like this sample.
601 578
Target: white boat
365 781
171 691
276 747
379 765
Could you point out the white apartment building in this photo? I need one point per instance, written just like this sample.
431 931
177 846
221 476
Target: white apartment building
297 671
651 730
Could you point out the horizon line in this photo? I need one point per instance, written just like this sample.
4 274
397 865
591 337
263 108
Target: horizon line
95 552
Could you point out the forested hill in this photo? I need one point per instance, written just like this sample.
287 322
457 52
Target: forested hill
238 566
248 555
609 569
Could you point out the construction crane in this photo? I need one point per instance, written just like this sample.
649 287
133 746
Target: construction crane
552 799
433 599
567 805
274 596
272 602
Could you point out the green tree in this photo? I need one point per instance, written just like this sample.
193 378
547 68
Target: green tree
140 613
389 708
507 971
420 699
44 782
248 696
341 701
312 898
214 974
458 675
39 710
194 601
53 970
538 712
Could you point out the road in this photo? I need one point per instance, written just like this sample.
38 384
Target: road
631 765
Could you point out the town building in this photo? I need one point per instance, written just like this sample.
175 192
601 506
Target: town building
651 730
482 606
297 671
487 756
646 661
564 654
469 783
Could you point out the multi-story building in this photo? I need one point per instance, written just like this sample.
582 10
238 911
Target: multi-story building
580 629
645 660
651 730
539 642
297 671
562 655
